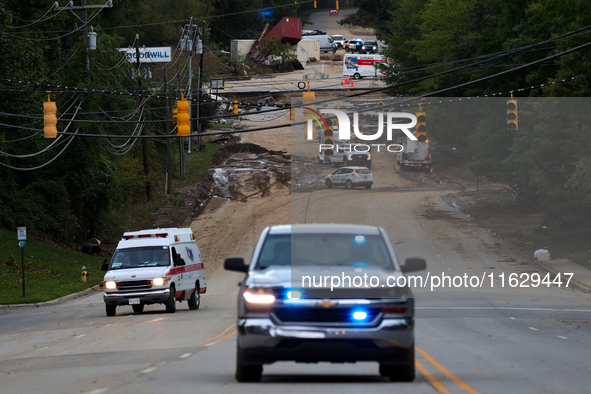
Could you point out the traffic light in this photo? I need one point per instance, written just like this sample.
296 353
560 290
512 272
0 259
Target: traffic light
328 138
421 126
183 118
49 118
314 4
512 114
337 4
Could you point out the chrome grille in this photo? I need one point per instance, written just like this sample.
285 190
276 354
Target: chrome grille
133 285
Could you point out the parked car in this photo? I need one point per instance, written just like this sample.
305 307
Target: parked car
354 45
282 316
350 177
336 12
340 40
369 47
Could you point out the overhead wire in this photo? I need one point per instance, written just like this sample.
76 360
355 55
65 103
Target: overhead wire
588 44
48 147
32 22
419 79
62 36
46 163
63 65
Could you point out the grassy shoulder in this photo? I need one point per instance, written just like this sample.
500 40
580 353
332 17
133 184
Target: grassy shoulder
568 244
50 272
196 165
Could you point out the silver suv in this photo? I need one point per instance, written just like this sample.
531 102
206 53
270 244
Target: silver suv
288 311
350 177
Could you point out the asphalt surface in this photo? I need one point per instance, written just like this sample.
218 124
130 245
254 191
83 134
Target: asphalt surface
489 339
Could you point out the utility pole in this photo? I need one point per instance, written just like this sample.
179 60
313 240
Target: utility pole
199 81
181 143
143 125
168 152
83 17
187 44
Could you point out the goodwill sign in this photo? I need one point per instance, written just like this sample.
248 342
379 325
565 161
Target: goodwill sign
149 55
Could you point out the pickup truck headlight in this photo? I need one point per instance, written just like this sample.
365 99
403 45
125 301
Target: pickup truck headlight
110 284
159 281
258 296
363 47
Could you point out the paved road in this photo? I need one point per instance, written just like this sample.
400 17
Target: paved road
484 340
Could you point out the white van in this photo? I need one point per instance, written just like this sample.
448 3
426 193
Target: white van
325 40
154 266
359 66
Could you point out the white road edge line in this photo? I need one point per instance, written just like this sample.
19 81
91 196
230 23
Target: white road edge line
502 308
512 318
148 370
561 337
97 391
532 328
43 348
80 336
186 355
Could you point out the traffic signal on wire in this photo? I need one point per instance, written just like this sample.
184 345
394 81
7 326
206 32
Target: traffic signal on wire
183 118
421 127
512 114
49 118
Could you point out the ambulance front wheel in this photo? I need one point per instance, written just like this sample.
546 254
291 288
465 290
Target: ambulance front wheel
111 310
171 302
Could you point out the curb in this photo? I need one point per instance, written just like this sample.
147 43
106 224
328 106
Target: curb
545 266
574 283
52 302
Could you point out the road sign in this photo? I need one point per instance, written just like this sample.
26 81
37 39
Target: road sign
22 233
149 55
216 83
22 244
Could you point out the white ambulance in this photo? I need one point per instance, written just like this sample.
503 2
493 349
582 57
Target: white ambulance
154 266
358 66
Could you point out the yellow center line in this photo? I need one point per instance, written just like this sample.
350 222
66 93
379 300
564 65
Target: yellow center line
224 338
219 335
461 384
432 379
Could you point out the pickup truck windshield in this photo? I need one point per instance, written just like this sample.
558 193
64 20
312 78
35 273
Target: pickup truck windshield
149 256
300 250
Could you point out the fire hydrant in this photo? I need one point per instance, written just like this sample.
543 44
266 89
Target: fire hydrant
84 273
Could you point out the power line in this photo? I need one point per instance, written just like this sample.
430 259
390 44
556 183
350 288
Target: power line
33 22
56 38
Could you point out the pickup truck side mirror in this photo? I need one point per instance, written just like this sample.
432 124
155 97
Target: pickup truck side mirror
235 264
105 266
413 264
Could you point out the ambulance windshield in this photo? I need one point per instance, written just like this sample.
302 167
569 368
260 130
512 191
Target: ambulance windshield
149 256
